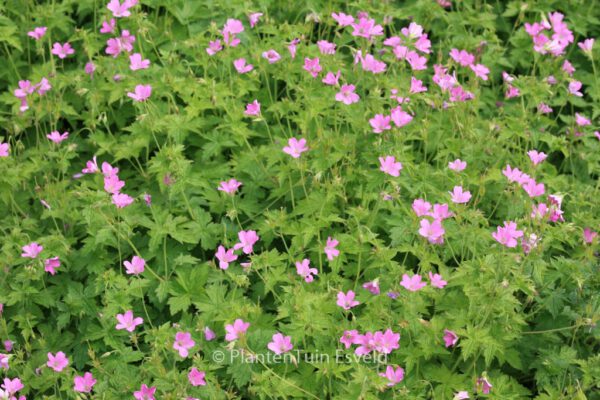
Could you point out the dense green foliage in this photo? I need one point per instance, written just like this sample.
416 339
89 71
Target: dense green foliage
526 321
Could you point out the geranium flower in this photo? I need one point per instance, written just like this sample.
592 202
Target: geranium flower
196 377
51 264
349 338
122 200
235 330
183 343
247 241
57 362
280 344
331 79
121 10
4 149
343 19
330 248
413 283
253 18
253 109
389 165
394 376
145 393
136 62
85 383
312 66
346 300
271 56
460 197
141 93
225 257
346 95
127 321
62 50
437 281
450 338
372 286
230 186
536 157
31 250
241 66
135 266
37 33
303 269
295 147
433 231
380 123
508 234
457 165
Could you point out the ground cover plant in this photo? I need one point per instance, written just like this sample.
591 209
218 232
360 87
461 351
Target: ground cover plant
312 200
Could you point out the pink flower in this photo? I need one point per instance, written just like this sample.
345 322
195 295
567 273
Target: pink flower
536 157
121 10
51 264
437 281
462 395
280 344
416 85
56 137
4 148
394 376
108 27
225 257
295 147
304 270
369 63
441 212
124 43
121 200
145 393
423 44
508 234
544 108
589 236
400 117
481 71
241 66
291 48
534 189
247 240
433 231
271 56
330 248
127 321
12 386
253 18
346 300
413 284
346 95
586 45
196 377
39 32
349 338
343 19
91 166
136 62
214 47
450 338
484 385
462 57
312 66
141 92
421 207
581 120
235 330
574 88
4 361
366 28
413 31
253 108
380 123
389 165
85 383
460 197
513 175
231 28
183 343
372 286
136 266
568 68
331 79
57 362
89 68
62 50
457 165
8 345
112 184
209 334
31 250
230 186
416 62
326 47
